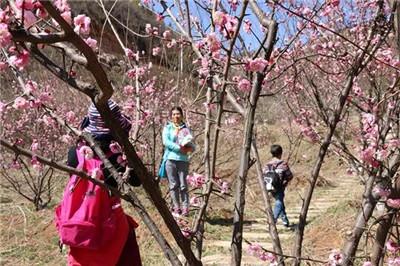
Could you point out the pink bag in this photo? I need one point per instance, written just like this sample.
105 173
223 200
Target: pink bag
86 216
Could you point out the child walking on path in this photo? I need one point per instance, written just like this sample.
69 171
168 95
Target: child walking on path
282 169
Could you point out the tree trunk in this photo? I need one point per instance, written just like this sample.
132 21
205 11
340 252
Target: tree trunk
363 216
237 236
380 238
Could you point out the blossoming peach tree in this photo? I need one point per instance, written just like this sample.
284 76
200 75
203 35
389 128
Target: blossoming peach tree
334 62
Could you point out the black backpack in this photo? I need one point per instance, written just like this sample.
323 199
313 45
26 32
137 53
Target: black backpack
273 180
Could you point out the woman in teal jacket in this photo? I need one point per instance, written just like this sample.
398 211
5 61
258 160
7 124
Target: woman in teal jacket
177 140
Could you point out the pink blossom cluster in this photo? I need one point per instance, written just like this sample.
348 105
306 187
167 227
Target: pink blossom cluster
213 43
381 192
131 55
233 4
223 185
5 35
247 25
36 165
150 30
393 203
195 201
20 60
92 43
82 24
256 250
335 258
392 246
196 180
225 23
305 121
256 65
244 85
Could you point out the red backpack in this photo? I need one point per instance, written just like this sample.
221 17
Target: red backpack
86 216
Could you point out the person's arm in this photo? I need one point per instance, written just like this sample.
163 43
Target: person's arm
168 143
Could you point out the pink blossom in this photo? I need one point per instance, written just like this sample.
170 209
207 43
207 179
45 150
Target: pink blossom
156 51
82 24
381 192
334 3
391 246
195 201
15 165
256 65
3 65
213 43
115 147
48 120
167 34
92 43
234 4
62 5
5 35
186 231
36 165
149 88
20 103
24 4
350 171
367 263
393 261
146 2
122 160
35 146
391 105
224 187
394 143
129 106
266 256
171 43
20 60
368 156
393 203
3 16
30 87
45 97
66 139
149 29
244 85
131 55
220 18
131 73
3 107
40 11
159 18
335 257
196 180
230 27
254 248
129 90
70 116
247 25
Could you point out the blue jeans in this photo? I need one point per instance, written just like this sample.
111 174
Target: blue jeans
279 208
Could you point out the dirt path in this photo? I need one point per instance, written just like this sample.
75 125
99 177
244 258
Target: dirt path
256 231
